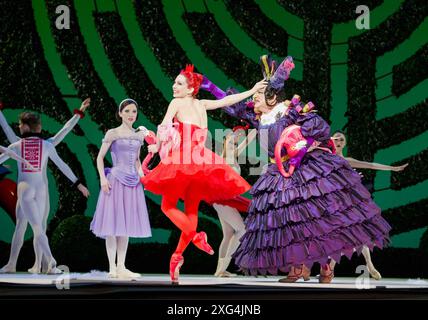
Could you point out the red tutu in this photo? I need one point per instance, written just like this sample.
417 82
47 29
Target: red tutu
194 168
239 203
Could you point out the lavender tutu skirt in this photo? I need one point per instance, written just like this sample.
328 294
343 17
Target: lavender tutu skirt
322 211
122 212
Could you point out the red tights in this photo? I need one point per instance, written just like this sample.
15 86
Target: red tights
186 221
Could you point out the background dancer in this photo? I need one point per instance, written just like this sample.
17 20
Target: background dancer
21 224
32 190
231 221
339 140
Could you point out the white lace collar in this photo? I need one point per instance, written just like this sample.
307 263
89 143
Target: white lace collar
275 114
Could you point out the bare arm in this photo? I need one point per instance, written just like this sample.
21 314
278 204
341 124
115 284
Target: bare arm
100 158
167 120
171 112
138 164
143 132
233 98
373 165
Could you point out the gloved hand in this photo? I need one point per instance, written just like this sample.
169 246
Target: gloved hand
207 85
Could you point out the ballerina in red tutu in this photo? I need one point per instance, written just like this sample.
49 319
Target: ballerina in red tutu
189 171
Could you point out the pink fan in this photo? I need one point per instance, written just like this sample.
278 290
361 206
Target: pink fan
296 145
169 137
150 139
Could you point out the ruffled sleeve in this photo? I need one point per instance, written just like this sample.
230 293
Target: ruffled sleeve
312 125
294 115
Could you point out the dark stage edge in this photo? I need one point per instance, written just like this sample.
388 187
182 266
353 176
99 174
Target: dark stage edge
201 287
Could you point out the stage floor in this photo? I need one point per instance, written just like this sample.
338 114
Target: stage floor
153 286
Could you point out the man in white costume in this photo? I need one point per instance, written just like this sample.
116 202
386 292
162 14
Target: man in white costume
33 194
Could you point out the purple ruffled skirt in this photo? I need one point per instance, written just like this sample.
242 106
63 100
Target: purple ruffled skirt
322 211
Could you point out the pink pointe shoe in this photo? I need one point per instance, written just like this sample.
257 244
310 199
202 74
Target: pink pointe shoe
200 241
175 264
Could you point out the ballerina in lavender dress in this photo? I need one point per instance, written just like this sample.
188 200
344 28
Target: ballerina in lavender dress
121 209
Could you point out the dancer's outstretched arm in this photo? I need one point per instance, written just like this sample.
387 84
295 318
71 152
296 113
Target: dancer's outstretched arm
65 169
373 165
10 134
11 154
239 110
4 157
234 98
55 140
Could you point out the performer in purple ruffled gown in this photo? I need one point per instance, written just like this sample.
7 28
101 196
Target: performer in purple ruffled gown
319 213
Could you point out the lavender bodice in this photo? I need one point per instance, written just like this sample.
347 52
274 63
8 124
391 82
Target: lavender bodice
124 154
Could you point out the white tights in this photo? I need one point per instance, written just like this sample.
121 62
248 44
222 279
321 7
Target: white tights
233 229
116 247
30 209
